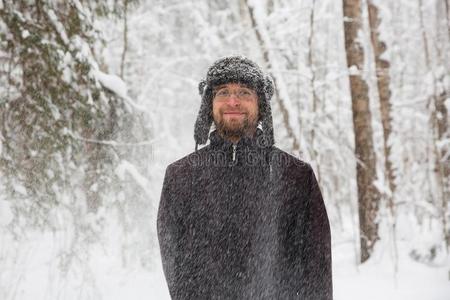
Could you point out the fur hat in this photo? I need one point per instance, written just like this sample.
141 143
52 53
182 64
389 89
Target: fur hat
235 69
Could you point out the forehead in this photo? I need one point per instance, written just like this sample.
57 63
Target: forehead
232 86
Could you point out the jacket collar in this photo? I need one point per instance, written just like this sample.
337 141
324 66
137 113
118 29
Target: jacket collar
256 141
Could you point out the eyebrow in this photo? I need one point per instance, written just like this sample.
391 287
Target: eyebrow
224 86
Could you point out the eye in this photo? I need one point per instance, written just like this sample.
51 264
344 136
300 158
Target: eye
223 93
245 93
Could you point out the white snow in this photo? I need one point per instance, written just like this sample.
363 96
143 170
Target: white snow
58 26
377 279
112 83
20 189
116 85
6 214
126 167
353 70
36 273
170 47
25 34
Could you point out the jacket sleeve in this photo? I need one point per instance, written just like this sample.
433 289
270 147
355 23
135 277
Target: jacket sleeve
168 230
317 246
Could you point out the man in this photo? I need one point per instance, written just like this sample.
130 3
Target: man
239 218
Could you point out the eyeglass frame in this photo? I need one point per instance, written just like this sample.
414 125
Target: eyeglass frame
237 93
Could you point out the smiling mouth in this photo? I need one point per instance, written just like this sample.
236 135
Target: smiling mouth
233 113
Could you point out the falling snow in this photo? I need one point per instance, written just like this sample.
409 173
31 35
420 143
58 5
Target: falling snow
253 218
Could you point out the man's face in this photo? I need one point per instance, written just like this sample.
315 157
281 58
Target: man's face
235 111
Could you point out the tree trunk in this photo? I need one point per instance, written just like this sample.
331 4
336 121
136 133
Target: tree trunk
368 194
125 39
315 97
383 81
447 15
443 130
440 132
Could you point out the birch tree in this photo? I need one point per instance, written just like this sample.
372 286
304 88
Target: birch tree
438 121
368 195
383 81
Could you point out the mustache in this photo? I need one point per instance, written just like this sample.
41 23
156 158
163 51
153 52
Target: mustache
224 111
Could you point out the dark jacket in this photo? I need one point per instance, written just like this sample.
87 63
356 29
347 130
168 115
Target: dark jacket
243 223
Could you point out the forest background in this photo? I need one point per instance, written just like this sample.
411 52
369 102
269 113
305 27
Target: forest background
97 98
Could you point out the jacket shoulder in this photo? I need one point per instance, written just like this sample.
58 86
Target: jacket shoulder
188 162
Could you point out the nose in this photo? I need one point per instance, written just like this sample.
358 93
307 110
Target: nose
233 100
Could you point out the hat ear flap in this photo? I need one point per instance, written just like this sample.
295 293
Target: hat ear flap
267 125
268 87
204 118
266 112
201 87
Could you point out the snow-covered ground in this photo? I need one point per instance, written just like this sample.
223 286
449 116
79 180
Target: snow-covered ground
50 265
33 271
377 278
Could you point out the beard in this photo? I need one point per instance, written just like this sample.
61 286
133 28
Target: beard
235 128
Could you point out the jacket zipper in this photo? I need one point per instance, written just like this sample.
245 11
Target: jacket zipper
234 152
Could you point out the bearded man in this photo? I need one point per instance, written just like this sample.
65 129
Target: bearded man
240 218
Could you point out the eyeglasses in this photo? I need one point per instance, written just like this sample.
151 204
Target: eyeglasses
241 94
